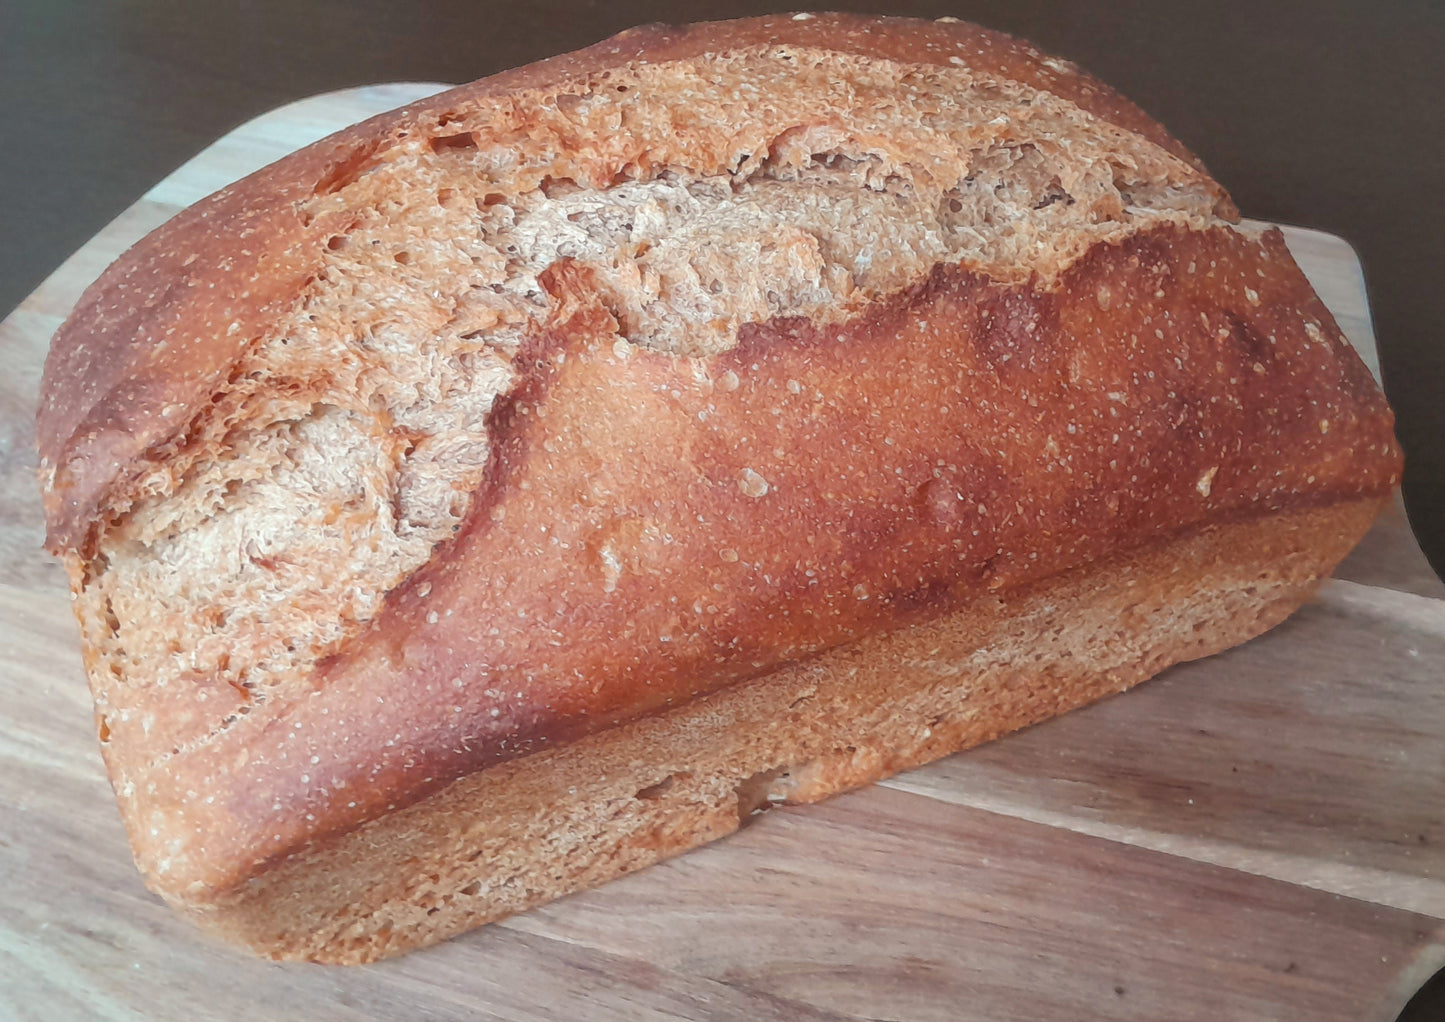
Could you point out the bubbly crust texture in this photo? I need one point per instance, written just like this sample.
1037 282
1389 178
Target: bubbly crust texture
615 388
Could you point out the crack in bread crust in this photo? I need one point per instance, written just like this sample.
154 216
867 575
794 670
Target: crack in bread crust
164 327
353 436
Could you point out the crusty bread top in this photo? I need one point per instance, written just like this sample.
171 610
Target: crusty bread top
157 334
584 389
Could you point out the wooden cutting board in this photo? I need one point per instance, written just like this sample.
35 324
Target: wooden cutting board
1254 836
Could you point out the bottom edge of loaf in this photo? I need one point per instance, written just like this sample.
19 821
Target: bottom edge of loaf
523 833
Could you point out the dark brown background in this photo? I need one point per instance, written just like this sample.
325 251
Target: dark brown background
1315 112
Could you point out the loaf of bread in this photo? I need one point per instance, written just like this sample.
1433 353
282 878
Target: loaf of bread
532 483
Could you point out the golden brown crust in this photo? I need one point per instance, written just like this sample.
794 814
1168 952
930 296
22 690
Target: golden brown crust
639 544
160 330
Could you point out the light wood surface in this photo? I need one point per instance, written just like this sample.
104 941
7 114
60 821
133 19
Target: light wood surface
1255 836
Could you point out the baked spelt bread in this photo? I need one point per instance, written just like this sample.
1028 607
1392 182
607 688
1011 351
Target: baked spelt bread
526 485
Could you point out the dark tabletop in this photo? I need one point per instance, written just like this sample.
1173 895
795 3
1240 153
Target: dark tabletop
1316 112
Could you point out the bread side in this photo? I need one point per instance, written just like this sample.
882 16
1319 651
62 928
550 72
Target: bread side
507 839
564 407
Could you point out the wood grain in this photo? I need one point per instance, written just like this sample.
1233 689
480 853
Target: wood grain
1254 836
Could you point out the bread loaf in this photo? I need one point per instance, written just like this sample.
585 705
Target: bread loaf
531 483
